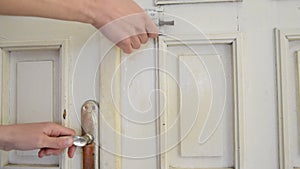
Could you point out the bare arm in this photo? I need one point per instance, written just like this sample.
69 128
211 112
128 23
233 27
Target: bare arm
133 29
50 138
71 10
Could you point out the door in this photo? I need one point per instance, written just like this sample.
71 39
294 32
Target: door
218 89
226 87
38 58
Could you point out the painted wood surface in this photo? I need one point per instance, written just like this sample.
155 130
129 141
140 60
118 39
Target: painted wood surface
254 19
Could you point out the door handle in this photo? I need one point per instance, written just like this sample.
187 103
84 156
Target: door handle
81 141
89 139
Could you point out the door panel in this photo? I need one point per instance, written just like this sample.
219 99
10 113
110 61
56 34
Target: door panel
34 88
202 138
32 83
138 109
200 79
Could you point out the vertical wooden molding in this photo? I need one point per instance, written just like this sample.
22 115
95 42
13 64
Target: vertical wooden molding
163 104
110 101
199 168
1 65
3 157
298 96
282 52
5 88
238 102
168 2
4 99
118 122
64 92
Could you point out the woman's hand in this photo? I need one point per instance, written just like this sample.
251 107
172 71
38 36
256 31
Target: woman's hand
122 21
130 32
50 138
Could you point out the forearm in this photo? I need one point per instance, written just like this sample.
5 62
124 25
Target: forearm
57 9
127 24
30 136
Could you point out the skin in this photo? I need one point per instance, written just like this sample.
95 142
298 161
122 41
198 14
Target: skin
95 12
136 29
50 138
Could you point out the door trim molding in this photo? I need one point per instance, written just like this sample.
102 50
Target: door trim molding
198 168
283 38
166 2
110 107
64 87
235 40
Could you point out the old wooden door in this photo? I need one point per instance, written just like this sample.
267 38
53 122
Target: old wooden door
226 87
218 89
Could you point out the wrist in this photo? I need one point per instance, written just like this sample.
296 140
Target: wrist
87 12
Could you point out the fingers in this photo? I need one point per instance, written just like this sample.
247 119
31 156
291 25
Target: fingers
50 151
131 31
143 38
135 42
56 139
56 145
56 130
71 151
58 142
151 28
63 131
125 45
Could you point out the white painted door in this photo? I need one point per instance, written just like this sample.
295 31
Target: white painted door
202 96
227 88
38 59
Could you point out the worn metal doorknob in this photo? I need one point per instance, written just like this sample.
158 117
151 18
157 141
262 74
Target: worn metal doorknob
81 141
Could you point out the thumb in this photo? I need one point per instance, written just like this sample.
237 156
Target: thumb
59 142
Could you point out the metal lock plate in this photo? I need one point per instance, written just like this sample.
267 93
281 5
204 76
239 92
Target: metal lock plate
89 124
89 118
